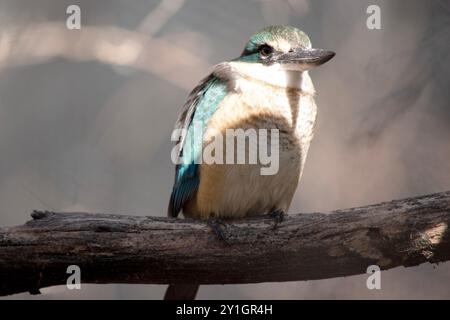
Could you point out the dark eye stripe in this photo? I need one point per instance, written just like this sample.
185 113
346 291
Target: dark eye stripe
255 53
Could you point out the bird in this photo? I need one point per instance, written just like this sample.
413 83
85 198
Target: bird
267 87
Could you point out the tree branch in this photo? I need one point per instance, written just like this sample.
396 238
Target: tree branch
132 249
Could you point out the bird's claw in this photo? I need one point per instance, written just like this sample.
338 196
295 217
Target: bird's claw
216 225
278 216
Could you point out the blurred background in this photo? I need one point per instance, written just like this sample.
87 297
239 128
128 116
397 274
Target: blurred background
86 115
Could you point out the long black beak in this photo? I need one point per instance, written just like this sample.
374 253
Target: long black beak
305 58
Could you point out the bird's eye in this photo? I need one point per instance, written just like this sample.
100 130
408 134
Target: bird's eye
265 51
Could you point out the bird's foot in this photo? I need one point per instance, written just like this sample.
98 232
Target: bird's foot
278 216
217 226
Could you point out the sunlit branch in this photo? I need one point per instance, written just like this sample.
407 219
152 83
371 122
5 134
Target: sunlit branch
146 250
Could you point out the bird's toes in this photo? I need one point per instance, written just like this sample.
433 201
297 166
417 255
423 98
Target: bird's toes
218 227
278 216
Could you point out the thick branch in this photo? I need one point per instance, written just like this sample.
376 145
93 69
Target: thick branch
130 249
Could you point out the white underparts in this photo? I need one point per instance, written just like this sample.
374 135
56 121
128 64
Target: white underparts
283 76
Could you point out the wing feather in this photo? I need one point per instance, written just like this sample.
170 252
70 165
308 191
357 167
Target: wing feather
200 105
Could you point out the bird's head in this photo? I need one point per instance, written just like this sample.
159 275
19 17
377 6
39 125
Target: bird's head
279 51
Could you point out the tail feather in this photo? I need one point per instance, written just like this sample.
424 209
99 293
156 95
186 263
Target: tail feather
181 292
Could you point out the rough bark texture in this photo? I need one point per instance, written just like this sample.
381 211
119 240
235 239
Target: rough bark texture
131 249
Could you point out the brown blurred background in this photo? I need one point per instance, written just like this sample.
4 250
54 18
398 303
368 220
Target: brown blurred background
86 115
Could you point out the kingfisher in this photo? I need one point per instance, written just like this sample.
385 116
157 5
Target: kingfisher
267 87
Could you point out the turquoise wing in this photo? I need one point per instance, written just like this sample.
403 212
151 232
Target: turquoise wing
195 114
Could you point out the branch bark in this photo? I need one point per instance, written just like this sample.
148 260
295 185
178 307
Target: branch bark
132 249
